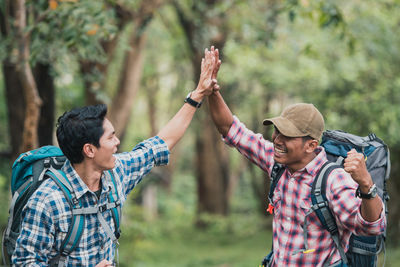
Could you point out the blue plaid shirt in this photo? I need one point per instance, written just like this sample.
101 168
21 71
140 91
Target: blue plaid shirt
47 215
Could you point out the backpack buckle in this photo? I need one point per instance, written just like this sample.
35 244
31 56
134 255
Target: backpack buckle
118 234
322 204
102 208
75 201
46 163
372 136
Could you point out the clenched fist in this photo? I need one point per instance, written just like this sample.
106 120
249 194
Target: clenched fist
355 165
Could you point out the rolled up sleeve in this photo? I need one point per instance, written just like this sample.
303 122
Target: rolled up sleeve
347 207
253 146
132 166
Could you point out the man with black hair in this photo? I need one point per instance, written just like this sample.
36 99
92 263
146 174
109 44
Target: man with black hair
87 138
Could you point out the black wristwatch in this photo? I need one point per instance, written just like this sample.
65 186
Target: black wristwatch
192 102
371 193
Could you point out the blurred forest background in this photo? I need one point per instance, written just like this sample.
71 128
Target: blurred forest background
141 57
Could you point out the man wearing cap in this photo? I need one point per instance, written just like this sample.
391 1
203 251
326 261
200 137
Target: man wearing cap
294 144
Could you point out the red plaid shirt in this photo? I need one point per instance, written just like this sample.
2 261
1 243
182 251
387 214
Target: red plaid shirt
292 201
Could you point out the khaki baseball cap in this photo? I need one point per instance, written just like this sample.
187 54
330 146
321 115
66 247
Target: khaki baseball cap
299 120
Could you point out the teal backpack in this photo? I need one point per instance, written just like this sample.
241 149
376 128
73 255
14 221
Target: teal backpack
29 170
363 250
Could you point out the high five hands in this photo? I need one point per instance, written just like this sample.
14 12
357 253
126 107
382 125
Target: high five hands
208 75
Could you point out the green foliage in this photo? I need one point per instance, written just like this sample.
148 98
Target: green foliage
78 27
351 77
365 82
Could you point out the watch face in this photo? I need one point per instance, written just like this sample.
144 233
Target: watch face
374 191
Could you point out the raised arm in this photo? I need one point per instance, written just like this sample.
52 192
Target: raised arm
220 112
176 127
355 165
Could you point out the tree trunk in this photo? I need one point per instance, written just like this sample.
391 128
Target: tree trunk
129 82
212 163
164 172
122 103
90 68
13 86
15 106
212 170
149 193
47 111
32 99
260 186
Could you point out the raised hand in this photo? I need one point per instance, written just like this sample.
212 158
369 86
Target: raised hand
176 127
216 69
206 82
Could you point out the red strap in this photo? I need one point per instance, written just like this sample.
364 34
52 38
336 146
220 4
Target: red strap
270 209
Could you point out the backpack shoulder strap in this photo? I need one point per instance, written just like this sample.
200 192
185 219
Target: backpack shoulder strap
321 207
116 208
276 173
77 226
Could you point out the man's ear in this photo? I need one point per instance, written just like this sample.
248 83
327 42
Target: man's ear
88 150
311 145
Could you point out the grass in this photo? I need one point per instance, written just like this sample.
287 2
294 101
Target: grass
203 250
223 244
392 257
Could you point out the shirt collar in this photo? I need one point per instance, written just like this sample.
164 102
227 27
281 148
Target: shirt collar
79 187
313 166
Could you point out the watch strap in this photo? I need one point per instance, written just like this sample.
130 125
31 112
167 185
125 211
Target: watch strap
371 192
192 102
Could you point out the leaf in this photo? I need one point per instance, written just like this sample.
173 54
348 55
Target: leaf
53 4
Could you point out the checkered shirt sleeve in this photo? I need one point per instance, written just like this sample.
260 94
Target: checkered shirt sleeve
251 145
132 166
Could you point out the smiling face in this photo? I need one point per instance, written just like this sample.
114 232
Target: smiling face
104 158
294 152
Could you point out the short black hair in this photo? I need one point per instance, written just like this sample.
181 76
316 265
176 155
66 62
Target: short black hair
80 126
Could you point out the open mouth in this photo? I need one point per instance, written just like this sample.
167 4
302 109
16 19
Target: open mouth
279 151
